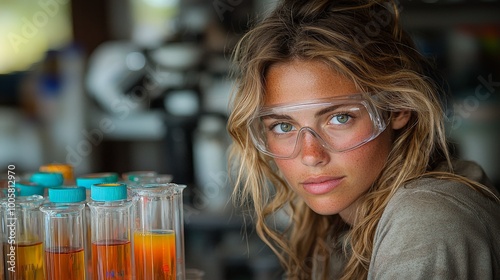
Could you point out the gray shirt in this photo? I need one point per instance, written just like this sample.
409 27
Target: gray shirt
438 229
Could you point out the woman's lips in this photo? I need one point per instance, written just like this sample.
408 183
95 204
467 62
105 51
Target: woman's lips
321 185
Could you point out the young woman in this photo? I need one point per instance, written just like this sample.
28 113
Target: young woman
335 122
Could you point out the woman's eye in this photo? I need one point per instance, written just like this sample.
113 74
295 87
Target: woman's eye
282 128
341 119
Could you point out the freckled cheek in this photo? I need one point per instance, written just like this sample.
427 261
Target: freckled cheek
368 160
283 165
288 168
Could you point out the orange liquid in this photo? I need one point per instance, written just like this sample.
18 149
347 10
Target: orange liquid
111 260
88 246
27 262
66 263
154 255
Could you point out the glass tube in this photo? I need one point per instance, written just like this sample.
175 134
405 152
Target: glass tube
110 231
158 231
65 234
22 237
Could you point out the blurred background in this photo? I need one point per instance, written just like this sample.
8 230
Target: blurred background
124 85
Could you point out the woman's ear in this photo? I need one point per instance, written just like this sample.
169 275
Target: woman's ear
400 119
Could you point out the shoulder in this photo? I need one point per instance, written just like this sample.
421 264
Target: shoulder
440 197
433 190
443 205
437 227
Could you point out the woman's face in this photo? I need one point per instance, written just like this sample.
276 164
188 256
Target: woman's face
329 182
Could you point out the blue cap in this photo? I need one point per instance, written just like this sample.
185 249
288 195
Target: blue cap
67 195
108 192
135 175
87 182
110 177
29 188
47 179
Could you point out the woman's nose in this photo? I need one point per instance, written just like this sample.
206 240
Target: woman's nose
312 151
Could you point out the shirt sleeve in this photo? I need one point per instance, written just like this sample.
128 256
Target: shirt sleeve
437 232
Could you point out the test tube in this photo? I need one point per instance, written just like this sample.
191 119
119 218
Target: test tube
86 182
110 230
65 234
144 178
158 231
22 237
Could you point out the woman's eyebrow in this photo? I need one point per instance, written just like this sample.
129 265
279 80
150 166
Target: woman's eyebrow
317 114
277 116
328 110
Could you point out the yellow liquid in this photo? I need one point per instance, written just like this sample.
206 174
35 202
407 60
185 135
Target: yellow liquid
67 264
88 243
26 264
154 255
111 260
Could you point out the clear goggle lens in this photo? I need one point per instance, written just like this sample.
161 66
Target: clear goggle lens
339 124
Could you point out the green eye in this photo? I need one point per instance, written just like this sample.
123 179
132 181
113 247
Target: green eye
282 128
341 119
285 127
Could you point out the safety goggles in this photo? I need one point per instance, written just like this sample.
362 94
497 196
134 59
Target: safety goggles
339 124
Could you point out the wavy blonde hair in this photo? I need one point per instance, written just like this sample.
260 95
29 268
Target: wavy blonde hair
363 41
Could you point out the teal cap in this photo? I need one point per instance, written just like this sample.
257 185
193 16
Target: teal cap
112 177
109 177
135 175
87 182
108 192
67 195
47 179
28 188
